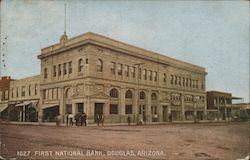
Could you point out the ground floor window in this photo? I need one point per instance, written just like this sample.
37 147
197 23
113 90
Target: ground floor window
113 109
128 109
80 107
68 108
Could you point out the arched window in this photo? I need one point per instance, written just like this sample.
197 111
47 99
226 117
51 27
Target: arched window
99 65
45 73
29 90
153 96
129 94
114 93
80 65
142 95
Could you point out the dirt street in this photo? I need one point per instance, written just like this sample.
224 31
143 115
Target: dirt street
222 141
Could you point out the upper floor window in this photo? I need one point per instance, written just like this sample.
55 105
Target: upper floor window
139 72
196 83
183 81
64 68
172 79
70 67
45 73
59 70
12 92
186 82
114 93
164 77
54 70
150 75
179 80
35 89
29 90
126 70
119 69
129 94
112 69
80 65
153 96
99 65
145 74
133 72
87 61
142 95
175 80
23 91
155 76
17 92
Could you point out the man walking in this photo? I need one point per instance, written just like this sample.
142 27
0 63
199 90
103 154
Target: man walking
129 119
84 116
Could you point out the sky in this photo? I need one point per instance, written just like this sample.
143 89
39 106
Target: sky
211 34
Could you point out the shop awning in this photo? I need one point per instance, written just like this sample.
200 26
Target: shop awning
23 104
3 107
44 106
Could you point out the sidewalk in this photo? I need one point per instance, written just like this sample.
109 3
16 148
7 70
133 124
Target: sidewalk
109 124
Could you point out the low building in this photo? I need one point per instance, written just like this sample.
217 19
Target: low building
219 105
24 97
4 96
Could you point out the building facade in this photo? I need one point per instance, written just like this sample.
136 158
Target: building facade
4 96
24 97
100 76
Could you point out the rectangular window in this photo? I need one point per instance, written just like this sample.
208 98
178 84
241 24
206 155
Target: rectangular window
54 70
172 79
155 76
190 82
126 70
175 80
139 73
70 67
12 92
112 68
113 109
145 74
128 109
183 81
196 83
59 70
119 69
179 80
150 75
23 91
64 68
133 72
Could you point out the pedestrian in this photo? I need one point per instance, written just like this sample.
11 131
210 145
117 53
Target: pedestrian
102 119
77 118
85 119
71 116
81 119
67 119
129 119
97 119
144 119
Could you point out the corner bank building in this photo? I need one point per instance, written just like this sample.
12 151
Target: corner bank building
97 75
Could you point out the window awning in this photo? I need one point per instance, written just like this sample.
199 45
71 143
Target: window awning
34 103
44 106
3 107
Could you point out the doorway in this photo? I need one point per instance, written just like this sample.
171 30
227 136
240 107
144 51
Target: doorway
165 113
98 110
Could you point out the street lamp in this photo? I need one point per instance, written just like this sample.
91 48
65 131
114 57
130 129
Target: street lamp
138 85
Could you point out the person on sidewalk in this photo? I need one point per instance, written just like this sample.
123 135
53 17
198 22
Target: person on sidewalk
129 120
97 119
84 119
67 119
102 119
71 116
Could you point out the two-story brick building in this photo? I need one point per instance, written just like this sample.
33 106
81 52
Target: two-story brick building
4 96
97 75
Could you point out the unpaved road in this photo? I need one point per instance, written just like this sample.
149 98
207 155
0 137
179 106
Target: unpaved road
213 141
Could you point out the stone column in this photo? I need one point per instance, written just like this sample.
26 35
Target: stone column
148 107
122 105
74 108
182 107
159 111
62 104
135 105
40 112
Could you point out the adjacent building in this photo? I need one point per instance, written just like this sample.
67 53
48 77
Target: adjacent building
97 75
24 97
4 96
